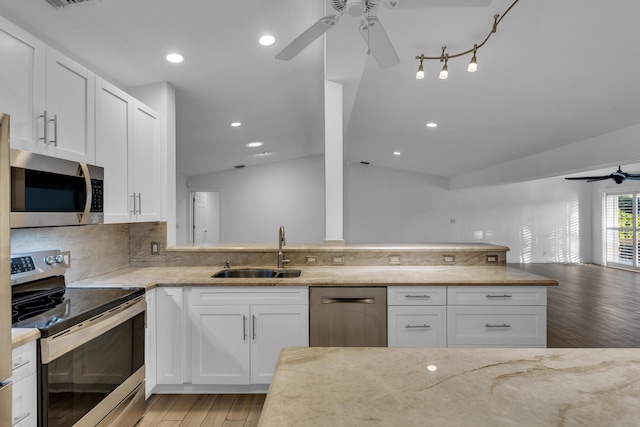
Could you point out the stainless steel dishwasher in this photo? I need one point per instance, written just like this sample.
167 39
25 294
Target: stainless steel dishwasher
348 316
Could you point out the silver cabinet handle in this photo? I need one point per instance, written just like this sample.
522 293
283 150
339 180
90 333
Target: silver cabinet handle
133 204
418 296
499 296
356 300
244 328
139 203
417 326
17 419
17 365
45 134
55 130
253 327
504 325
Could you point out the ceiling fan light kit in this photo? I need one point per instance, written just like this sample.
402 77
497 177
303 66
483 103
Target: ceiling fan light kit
473 64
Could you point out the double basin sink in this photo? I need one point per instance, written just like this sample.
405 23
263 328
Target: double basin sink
256 273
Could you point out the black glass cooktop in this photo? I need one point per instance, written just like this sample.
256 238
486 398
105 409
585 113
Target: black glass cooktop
58 308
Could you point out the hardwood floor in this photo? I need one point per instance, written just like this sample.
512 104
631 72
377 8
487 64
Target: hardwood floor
591 307
203 410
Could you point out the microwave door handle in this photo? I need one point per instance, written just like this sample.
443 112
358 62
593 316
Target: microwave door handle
84 172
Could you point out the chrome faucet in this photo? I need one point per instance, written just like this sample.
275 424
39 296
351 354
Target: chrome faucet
281 243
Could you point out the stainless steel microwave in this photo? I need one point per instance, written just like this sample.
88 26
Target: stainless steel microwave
47 191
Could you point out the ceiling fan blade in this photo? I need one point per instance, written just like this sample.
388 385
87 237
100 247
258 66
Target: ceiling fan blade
602 178
307 37
633 176
410 4
591 178
378 42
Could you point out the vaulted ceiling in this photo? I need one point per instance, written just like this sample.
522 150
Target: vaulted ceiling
555 74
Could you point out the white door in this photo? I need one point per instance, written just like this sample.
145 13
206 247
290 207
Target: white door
22 85
114 134
220 344
199 215
71 106
274 327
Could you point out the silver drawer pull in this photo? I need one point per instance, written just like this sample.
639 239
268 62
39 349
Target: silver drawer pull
418 296
504 325
244 328
18 365
354 300
499 296
16 420
417 326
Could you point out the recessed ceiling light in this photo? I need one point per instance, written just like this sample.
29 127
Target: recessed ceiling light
254 144
432 125
396 153
267 40
235 124
175 58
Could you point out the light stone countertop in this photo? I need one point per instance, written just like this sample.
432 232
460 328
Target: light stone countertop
469 387
318 247
20 336
325 276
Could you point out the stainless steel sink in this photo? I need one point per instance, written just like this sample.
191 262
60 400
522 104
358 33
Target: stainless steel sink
255 273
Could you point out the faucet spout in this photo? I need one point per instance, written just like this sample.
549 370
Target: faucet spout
281 242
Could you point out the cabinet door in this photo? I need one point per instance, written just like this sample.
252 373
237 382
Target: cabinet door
114 136
24 405
417 326
150 350
170 342
220 344
274 327
71 106
145 169
22 85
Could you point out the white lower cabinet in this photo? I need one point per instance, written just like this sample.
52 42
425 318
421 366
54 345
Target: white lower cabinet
497 316
417 316
150 355
237 333
24 408
217 339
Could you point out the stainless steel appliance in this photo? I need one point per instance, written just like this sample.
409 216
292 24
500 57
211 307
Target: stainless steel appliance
91 350
348 316
47 191
5 287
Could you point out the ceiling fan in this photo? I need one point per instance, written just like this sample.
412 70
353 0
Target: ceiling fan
617 176
370 27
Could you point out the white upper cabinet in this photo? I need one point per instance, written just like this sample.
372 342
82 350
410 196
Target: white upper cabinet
22 84
128 147
50 97
70 109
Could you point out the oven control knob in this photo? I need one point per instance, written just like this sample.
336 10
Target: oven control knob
50 260
59 259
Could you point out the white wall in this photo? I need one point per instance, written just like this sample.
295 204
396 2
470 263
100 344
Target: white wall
257 200
541 221
182 210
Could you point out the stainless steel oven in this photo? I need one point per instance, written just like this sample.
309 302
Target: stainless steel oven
91 350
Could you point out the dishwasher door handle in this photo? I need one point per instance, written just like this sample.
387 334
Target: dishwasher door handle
353 300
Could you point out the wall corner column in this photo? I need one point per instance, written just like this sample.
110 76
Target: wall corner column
333 163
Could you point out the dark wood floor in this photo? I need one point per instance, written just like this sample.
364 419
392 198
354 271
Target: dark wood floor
592 307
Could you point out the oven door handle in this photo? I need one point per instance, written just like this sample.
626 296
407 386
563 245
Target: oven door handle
77 335
83 171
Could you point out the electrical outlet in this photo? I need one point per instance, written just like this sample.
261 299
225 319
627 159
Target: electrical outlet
311 259
155 248
394 259
449 259
337 259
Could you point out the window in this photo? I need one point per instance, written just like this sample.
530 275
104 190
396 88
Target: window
622 225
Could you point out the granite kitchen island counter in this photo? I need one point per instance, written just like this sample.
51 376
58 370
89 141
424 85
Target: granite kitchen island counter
454 387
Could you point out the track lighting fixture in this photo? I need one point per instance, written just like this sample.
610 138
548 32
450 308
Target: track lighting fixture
473 64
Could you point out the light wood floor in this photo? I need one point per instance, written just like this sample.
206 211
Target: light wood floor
592 307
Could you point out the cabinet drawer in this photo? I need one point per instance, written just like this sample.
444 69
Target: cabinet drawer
23 361
248 295
484 326
421 326
416 295
497 295
24 405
